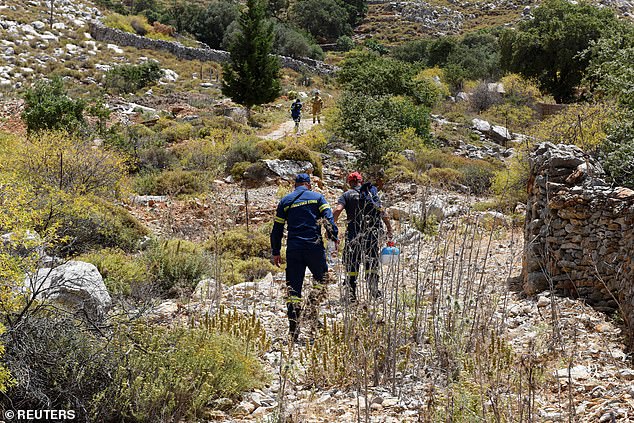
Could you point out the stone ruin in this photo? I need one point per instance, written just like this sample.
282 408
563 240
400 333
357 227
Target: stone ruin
579 233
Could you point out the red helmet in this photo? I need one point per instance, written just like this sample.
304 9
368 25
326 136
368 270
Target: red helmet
355 177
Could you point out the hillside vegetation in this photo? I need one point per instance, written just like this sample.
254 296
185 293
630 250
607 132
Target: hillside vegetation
132 169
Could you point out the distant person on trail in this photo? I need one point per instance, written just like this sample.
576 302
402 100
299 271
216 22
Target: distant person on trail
303 210
318 104
296 113
365 214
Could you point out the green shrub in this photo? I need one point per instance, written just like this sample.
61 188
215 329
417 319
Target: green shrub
300 152
121 272
131 78
344 43
238 243
172 182
172 374
177 132
238 169
57 363
444 176
478 176
176 265
374 124
270 147
617 151
116 227
204 154
245 149
48 107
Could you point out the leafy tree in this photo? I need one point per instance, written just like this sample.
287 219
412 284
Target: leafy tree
369 74
373 123
357 10
326 20
412 51
547 47
252 77
291 42
48 107
207 24
275 7
345 43
610 73
617 153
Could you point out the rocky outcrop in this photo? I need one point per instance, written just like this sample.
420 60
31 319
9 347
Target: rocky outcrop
120 38
579 238
76 284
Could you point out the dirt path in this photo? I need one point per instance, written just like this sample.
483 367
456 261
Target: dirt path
288 128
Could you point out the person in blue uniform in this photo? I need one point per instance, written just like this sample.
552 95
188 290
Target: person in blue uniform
302 211
296 113
365 214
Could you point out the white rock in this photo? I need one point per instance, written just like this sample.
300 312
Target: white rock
205 290
75 283
543 301
49 36
60 26
115 48
576 373
72 48
169 75
103 68
28 29
38 24
481 125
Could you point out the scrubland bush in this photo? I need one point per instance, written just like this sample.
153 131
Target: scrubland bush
74 182
130 78
177 132
144 373
48 107
176 265
482 98
204 154
617 151
102 224
122 273
520 91
243 256
238 169
57 363
239 243
373 124
171 182
189 368
584 125
446 168
244 149
270 147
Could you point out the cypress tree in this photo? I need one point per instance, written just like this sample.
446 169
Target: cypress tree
253 75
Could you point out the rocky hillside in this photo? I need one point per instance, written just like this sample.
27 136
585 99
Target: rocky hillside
394 22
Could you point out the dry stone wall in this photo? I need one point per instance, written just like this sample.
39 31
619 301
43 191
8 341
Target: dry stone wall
579 233
103 33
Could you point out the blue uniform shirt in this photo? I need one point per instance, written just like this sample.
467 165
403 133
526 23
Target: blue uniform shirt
302 209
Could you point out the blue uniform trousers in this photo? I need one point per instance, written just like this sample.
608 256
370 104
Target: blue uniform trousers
296 263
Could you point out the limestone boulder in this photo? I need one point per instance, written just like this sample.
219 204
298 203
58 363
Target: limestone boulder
75 284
